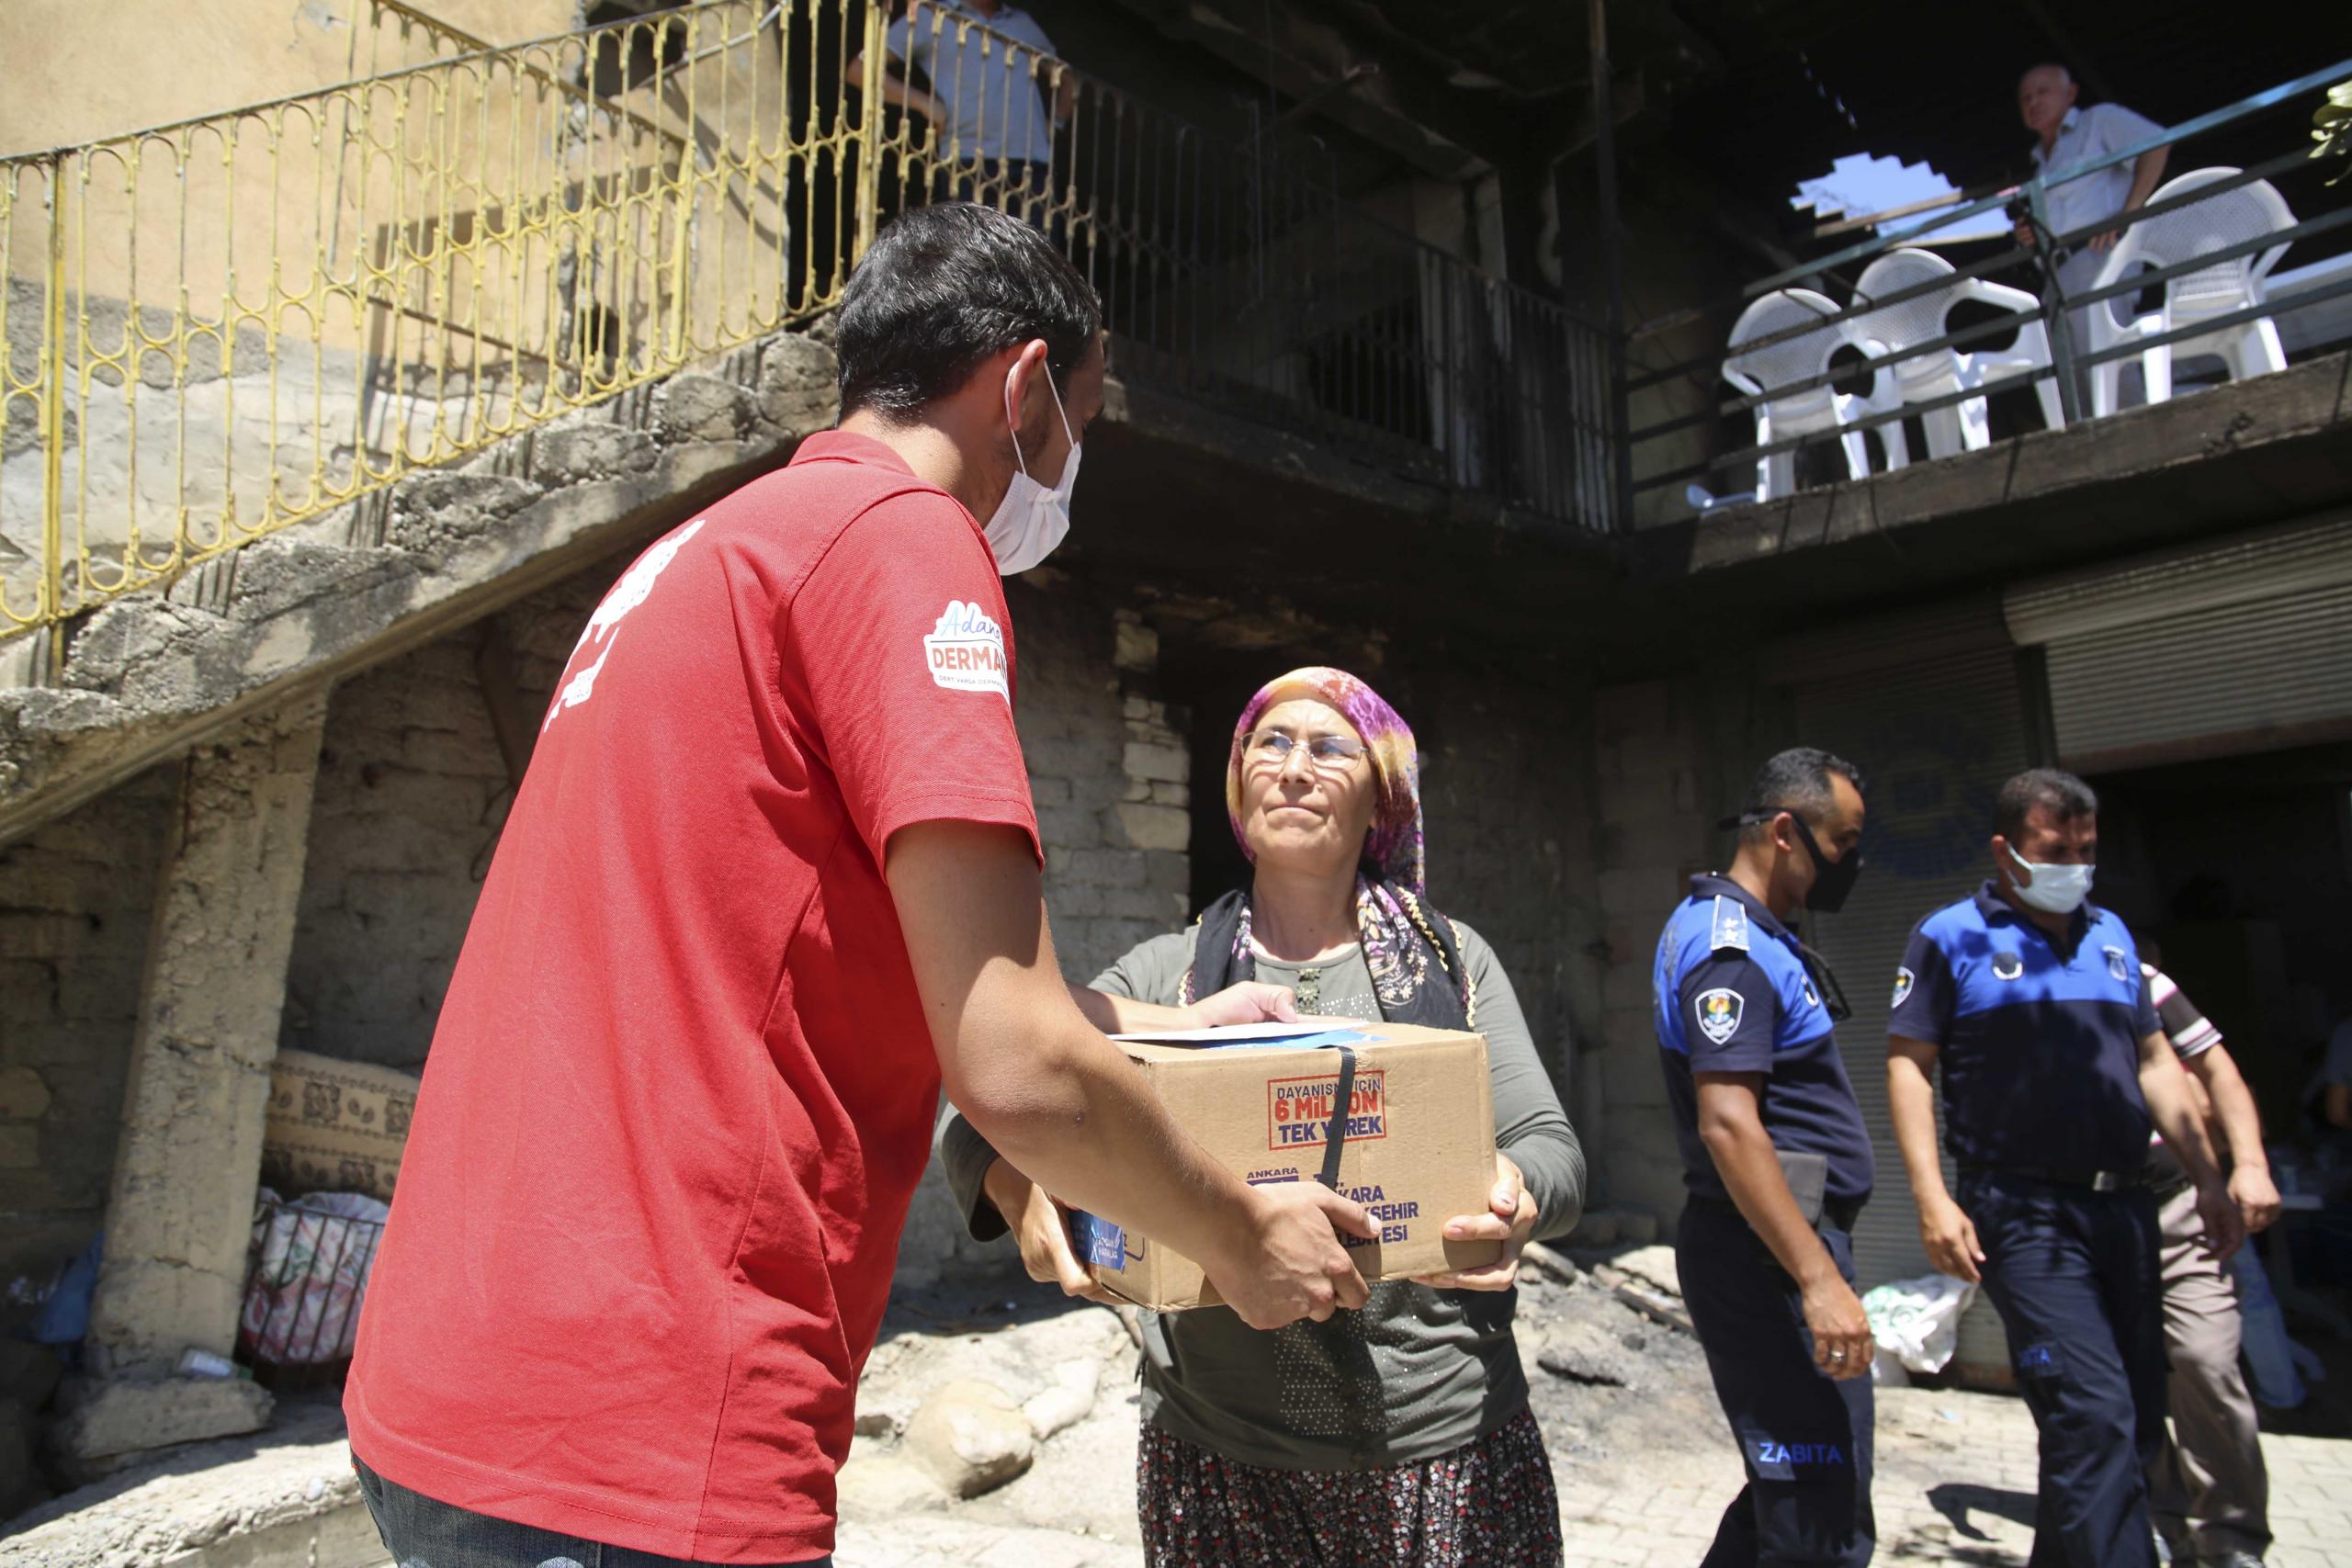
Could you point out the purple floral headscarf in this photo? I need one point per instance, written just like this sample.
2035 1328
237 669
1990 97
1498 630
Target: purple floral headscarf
1394 851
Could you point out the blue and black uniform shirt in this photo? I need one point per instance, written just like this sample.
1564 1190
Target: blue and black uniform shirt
1732 995
2039 1039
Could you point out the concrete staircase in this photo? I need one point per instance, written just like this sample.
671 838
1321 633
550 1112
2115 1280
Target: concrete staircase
152 673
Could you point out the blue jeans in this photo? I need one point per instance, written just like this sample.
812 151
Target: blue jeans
416 1529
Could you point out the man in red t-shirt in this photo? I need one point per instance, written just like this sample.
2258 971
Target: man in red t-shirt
772 877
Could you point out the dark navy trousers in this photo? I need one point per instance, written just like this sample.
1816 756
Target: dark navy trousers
2074 1275
1804 1439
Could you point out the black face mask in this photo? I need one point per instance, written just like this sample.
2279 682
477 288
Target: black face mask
1832 879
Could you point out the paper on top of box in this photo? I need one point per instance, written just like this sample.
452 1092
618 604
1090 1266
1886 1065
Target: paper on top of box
1268 1032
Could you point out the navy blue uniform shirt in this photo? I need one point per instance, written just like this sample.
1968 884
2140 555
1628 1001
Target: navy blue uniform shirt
2039 1040
1732 995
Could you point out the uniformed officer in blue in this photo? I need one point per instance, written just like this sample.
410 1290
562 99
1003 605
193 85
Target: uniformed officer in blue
1777 1165
2034 1003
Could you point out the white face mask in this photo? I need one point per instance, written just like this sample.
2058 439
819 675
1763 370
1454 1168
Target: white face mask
2060 889
1030 520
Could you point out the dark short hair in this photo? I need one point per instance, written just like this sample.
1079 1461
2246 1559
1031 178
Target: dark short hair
1797 780
2054 790
942 290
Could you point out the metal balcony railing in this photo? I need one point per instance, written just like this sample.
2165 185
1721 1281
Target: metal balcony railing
2202 252
221 327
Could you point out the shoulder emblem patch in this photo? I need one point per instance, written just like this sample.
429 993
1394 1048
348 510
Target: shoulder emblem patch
2118 964
1718 1012
1729 927
1903 983
966 651
2008 967
1811 997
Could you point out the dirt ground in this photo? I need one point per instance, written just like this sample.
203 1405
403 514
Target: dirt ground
1643 1461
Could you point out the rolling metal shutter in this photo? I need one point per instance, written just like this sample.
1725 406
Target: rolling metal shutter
2213 651
1927 707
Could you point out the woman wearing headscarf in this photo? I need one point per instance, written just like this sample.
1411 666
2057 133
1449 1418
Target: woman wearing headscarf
1399 1435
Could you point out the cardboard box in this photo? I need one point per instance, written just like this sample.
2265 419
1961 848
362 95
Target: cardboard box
1416 1145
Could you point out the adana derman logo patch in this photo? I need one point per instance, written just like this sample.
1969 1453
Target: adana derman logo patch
966 651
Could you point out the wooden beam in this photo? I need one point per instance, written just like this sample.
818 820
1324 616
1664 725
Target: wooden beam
502 693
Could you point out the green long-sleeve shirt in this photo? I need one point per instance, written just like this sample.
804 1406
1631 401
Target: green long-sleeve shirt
1417 1373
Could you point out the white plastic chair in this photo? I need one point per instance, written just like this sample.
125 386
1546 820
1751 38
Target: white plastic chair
2226 218
1800 358
1943 372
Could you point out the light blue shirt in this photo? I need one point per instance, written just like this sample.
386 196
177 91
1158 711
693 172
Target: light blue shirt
994 108
2089 133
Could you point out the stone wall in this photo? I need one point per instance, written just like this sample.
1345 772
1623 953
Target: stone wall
1505 785
1671 758
1652 836
1107 769
413 788
75 898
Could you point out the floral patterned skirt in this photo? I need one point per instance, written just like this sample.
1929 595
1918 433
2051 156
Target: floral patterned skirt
1488 1503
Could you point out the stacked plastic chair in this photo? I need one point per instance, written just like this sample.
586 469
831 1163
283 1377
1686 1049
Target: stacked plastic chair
2226 218
1758 372
1924 377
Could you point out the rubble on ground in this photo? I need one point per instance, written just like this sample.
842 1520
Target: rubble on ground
971 1437
994 1413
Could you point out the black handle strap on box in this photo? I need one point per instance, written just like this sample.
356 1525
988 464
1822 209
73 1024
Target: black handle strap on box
1336 1135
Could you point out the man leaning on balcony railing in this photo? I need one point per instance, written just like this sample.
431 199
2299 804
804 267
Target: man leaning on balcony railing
2068 136
987 115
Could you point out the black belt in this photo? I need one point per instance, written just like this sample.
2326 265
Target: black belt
2061 1175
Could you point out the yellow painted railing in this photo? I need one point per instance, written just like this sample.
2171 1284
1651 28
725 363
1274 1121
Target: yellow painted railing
218 328
221 327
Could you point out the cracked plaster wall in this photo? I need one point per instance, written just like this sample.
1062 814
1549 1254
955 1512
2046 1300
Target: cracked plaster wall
75 899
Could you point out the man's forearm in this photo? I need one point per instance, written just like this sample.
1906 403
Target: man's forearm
2148 172
2165 1088
1074 1115
1911 1105
2233 1109
1022 1063
896 89
1752 1175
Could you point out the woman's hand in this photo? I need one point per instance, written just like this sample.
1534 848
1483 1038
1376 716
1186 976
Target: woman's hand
1511 1220
1041 1225
1250 1001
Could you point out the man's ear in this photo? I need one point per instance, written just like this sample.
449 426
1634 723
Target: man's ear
1028 364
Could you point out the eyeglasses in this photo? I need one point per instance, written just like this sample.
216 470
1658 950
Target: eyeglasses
1330 752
